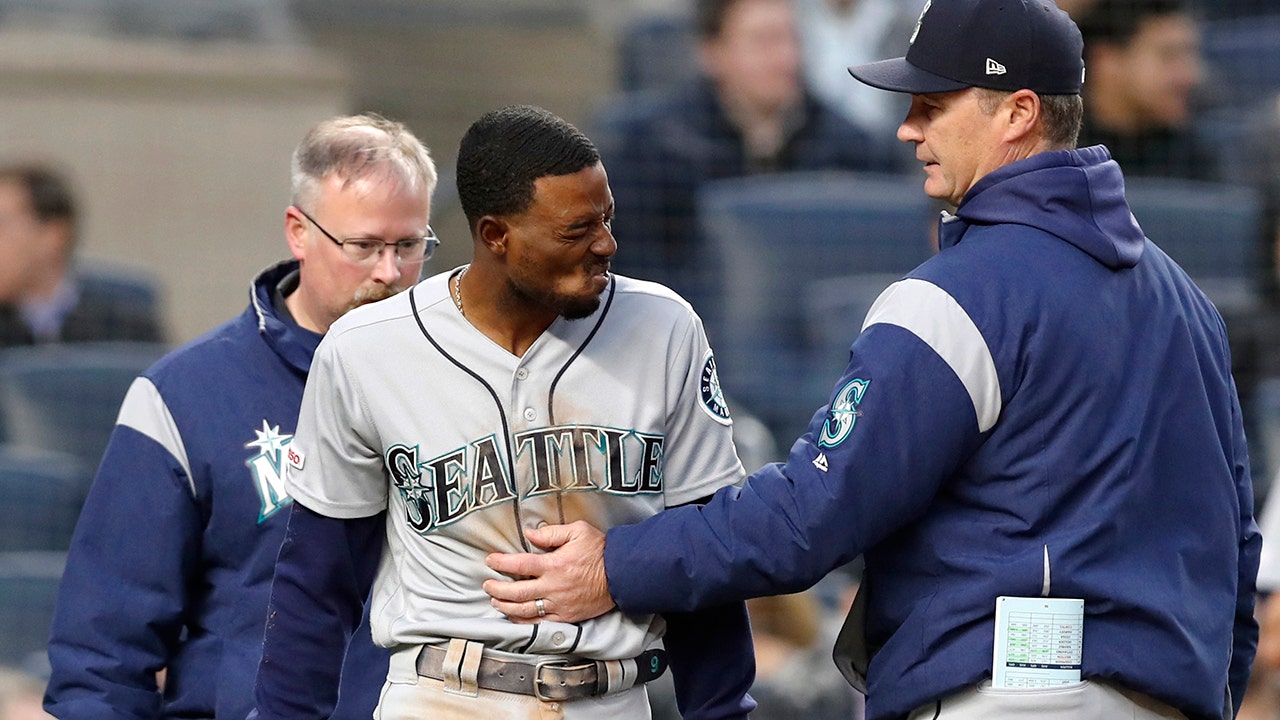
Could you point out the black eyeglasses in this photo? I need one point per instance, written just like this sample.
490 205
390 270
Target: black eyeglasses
366 251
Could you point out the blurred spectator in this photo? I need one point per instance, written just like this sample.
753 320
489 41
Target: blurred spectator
835 34
1142 61
42 297
748 113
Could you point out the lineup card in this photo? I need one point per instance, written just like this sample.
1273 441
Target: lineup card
1038 642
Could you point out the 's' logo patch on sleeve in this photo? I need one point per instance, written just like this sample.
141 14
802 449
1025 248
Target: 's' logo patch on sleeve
843 414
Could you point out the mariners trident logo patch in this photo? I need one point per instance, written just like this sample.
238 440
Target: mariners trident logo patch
712 394
267 467
843 414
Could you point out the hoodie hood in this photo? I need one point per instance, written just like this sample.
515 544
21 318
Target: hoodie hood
294 344
1076 195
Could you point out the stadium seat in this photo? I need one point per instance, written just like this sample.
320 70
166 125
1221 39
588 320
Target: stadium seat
1243 58
1213 230
795 260
125 285
656 51
41 493
66 397
614 117
28 589
1229 132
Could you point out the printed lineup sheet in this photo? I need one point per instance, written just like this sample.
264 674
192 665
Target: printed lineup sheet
1038 642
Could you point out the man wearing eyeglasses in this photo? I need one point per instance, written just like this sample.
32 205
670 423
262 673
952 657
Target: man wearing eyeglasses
161 609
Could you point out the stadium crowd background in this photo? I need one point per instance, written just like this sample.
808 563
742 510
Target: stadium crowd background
172 120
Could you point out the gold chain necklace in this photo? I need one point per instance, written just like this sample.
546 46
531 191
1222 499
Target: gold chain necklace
457 290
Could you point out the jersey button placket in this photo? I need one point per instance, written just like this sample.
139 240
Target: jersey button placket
522 374
530 414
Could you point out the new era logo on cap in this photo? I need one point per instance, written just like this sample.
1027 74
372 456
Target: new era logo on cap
995 68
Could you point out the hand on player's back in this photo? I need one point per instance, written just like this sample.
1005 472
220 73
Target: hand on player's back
569 578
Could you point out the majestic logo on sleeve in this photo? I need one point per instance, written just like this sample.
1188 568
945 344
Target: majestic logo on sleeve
843 413
569 458
267 467
712 394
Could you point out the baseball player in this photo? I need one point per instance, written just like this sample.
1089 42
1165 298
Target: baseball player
531 386
171 564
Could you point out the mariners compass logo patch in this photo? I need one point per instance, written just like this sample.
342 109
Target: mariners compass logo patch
712 394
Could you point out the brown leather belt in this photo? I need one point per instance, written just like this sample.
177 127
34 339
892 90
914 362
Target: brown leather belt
549 680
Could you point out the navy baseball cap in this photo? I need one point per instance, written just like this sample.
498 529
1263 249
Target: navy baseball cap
997 44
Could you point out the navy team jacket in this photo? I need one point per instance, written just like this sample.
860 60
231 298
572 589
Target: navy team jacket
171 562
1043 408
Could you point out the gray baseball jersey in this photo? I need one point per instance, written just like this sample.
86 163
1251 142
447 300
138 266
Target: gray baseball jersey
411 409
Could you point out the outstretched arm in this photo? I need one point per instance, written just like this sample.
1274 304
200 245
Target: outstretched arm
860 473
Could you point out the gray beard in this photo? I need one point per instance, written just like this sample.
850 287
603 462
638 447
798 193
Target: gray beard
374 294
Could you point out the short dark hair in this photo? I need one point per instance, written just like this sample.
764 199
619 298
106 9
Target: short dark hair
1063 118
1115 22
50 196
503 153
49 192
708 16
